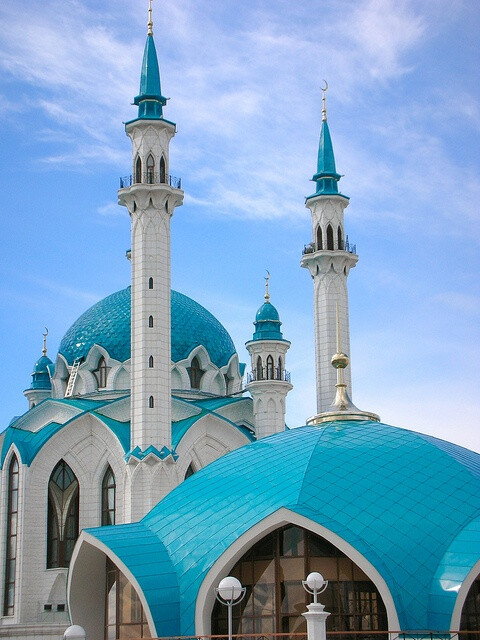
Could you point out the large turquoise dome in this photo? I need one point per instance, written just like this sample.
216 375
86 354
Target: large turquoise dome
107 324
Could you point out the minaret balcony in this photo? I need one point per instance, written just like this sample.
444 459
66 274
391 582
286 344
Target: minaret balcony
268 374
344 246
151 178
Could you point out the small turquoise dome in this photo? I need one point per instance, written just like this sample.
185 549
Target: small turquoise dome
107 324
40 375
267 323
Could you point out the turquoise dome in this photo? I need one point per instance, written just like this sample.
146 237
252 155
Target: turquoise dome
267 323
409 503
107 324
40 375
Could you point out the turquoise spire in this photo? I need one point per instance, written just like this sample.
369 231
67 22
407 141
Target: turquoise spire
267 321
326 176
40 374
150 100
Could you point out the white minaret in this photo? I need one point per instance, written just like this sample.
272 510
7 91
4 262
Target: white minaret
329 258
268 382
151 196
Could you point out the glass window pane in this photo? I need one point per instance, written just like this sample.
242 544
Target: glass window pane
292 542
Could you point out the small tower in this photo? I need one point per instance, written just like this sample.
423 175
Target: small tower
150 195
268 382
41 387
329 258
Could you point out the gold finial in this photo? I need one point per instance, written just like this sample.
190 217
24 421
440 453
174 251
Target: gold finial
150 19
267 295
44 350
324 102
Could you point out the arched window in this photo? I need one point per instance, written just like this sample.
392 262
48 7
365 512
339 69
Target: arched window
190 471
138 170
195 373
108 498
272 571
470 619
124 614
11 539
151 402
150 322
150 169
62 525
319 238
339 238
163 171
150 362
330 246
259 369
270 375
280 369
101 373
150 283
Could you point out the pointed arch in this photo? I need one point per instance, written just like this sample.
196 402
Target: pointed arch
319 238
150 362
101 373
150 169
280 368
270 370
163 170
11 538
63 515
150 283
259 369
150 322
108 497
330 246
151 402
195 373
138 169
339 238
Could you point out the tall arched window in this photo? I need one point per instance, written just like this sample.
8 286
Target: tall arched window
124 614
150 283
272 572
339 238
163 171
108 498
195 373
63 507
150 169
330 246
319 238
101 373
150 362
270 375
259 369
280 369
138 170
150 322
11 539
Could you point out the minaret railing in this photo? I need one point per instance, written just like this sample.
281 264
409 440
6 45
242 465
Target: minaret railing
148 178
268 374
347 246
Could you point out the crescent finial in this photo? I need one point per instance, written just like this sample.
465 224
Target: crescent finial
44 350
324 103
325 87
267 278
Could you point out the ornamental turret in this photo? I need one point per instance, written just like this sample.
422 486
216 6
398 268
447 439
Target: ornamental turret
268 381
150 195
328 257
41 387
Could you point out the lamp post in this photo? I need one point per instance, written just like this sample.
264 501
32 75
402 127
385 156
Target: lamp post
230 592
316 616
75 632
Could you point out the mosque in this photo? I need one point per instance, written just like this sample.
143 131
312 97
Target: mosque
148 466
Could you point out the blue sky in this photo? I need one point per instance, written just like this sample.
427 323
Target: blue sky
244 81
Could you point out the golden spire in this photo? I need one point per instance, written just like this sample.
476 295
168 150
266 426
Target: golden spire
150 19
324 102
44 350
267 295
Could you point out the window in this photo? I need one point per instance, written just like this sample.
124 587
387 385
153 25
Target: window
11 539
470 620
124 614
330 246
138 170
62 521
339 238
150 322
108 498
195 373
150 169
190 471
150 283
319 238
280 369
270 375
259 369
151 402
163 174
101 373
150 362
272 572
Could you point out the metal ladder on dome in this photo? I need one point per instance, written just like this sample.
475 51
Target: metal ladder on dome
72 378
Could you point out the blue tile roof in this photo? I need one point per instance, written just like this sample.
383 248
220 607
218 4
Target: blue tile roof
107 323
403 500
